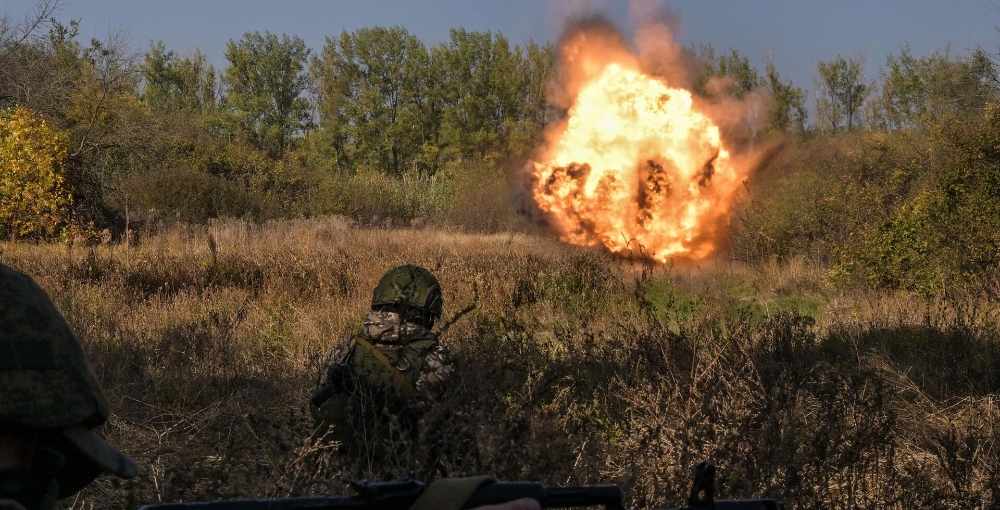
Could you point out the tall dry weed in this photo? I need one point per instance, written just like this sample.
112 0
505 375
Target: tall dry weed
572 367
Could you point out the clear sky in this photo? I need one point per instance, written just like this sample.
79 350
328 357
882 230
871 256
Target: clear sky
798 33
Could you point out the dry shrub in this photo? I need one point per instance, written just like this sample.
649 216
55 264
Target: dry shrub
208 341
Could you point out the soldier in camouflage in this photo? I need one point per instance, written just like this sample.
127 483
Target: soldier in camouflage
396 354
50 403
387 328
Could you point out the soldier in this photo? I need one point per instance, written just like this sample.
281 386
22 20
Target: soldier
50 403
394 365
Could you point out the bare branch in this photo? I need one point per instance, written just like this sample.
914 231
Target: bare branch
114 64
13 35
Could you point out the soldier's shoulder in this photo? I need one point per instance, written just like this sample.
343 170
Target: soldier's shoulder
338 353
440 354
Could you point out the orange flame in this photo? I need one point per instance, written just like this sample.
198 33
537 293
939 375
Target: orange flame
635 163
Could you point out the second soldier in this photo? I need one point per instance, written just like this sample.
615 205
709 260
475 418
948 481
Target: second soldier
375 384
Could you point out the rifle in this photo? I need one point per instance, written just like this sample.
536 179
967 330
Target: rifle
401 494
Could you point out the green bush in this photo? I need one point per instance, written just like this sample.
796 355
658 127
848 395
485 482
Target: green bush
376 198
213 179
188 195
916 211
820 195
948 235
903 252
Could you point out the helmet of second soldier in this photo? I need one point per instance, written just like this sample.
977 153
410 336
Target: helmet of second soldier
409 288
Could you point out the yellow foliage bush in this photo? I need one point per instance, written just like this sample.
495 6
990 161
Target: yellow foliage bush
33 200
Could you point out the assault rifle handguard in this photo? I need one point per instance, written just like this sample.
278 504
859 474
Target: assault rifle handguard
402 494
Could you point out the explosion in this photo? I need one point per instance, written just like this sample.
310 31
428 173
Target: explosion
635 162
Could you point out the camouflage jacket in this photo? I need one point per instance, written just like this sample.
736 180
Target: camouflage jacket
386 329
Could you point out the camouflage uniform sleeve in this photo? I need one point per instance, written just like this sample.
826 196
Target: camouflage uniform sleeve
335 356
435 372
10 504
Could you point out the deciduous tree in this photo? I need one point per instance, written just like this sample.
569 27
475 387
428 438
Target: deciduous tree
788 113
33 200
379 98
14 34
842 90
738 76
264 84
536 64
915 92
483 99
173 83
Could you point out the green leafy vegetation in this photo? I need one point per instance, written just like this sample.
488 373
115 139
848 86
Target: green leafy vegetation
841 92
264 83
892 186
214 231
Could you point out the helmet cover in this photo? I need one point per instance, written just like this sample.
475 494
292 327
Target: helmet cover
409 285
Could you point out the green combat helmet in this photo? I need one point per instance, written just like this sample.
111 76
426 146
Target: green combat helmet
48 393
412 291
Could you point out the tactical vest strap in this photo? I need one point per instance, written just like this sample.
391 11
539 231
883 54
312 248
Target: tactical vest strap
401 381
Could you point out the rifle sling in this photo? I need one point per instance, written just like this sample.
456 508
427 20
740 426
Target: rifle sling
401 380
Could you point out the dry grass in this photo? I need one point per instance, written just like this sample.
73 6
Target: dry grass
574 367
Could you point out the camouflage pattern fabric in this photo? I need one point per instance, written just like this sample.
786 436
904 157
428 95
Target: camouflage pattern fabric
45 378
412 285
435 371
47 388
386 328
382 329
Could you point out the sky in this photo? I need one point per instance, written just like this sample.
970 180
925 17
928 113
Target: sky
797 33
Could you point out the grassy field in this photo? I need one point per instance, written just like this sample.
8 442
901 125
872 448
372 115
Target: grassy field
574 367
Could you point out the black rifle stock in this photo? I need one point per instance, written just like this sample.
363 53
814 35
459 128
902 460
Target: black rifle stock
402 494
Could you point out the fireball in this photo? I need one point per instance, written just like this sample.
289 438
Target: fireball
636 164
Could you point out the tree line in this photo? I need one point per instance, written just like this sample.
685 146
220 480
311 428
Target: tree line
377 98
373 100
283 131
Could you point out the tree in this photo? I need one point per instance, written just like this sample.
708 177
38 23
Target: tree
389 103
33 200
108 126
41 71
915 91
740 77
900 98
15 34
105 95
959 87
264 83
841 92
89 92
483 99
789 111
379 99
172 83
535 67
